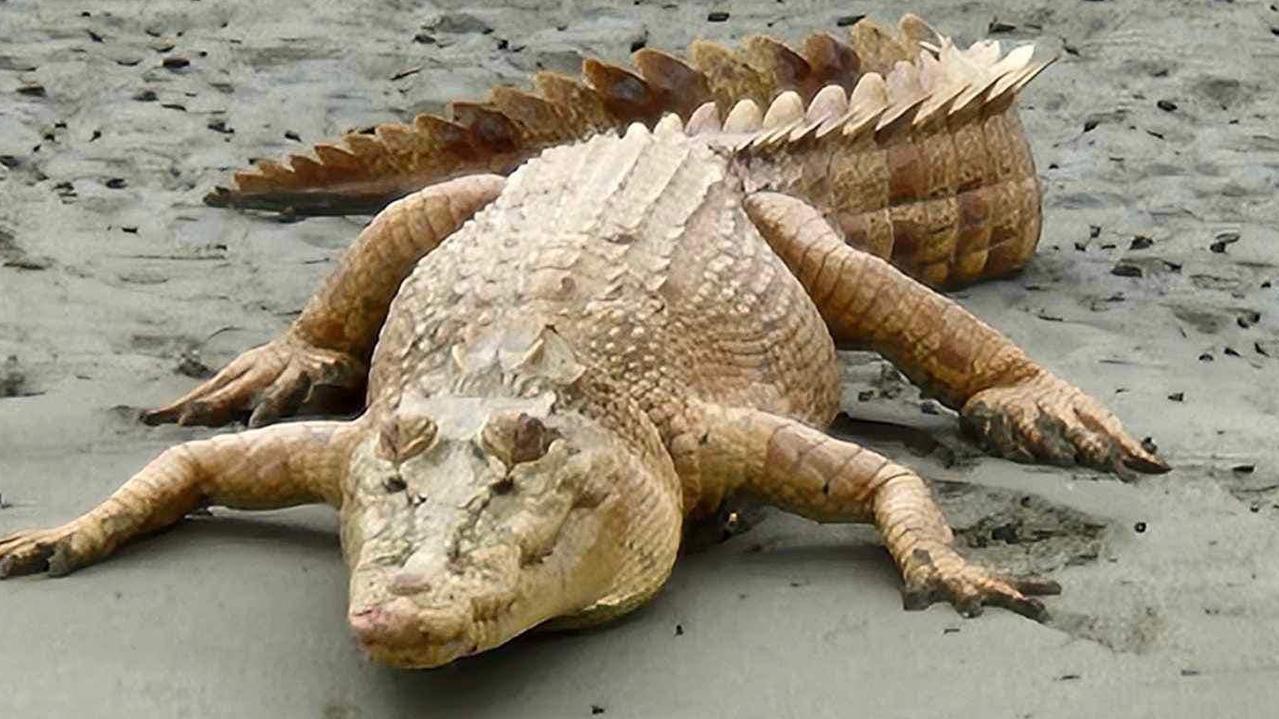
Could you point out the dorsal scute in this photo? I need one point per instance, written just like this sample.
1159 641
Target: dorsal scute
914 79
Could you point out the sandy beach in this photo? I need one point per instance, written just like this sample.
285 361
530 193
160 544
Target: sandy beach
1155 288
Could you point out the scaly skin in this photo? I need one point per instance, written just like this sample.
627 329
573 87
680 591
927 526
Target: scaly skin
955 202
1016 407
280 466
622 335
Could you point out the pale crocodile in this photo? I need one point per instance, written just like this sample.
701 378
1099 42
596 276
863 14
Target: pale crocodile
611 342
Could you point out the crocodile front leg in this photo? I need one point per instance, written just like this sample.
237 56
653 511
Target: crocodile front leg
280 466
330 343
1012 404
805 471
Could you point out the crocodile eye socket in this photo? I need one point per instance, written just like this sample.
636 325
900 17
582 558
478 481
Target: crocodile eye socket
403 436
516 438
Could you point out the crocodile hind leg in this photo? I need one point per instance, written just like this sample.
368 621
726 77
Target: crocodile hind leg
329 344
281 466
1014 406
805 471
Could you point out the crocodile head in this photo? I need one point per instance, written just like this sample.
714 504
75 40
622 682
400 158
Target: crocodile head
467 521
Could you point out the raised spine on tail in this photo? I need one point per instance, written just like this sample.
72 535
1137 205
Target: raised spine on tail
929 168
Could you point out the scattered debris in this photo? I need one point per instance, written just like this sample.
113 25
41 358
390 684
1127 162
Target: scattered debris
406 73
189 365
1126 269
1223 240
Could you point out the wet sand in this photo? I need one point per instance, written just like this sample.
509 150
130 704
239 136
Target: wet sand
1156 288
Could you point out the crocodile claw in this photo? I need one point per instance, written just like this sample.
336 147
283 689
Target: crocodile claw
941 574
1044 419
271 381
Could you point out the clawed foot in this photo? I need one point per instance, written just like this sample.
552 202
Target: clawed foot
941 574
1044 419
272 381
58 551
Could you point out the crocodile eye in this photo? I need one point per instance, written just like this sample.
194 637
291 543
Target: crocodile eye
403 436
516 438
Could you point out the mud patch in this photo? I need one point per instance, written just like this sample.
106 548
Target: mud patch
12 255
949 451
13 380
1253 485
1136 633
1019 533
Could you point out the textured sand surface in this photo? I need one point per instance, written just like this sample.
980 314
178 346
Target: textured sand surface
1159 122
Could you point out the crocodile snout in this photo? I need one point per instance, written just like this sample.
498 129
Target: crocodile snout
401 633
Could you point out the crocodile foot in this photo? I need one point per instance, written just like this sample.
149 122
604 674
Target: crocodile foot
57 551
939 573
271 381
1044 419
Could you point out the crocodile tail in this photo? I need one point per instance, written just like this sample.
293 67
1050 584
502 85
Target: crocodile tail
924 163
363 172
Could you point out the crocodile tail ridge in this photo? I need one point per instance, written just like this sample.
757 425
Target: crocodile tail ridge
940 85
924 162
362 172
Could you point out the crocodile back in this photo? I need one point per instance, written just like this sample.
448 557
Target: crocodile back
634 256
